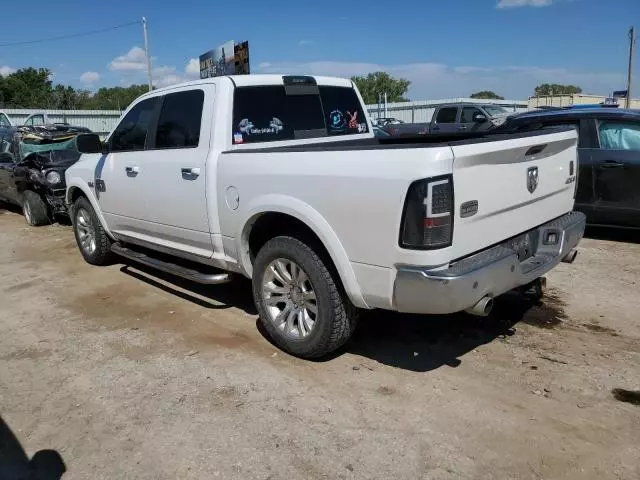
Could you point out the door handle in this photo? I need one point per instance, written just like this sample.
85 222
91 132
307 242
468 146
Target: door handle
190 172
435 129
132 170
612 164
462 127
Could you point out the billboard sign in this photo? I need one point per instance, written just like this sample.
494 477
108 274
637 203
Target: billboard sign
620 94
228 59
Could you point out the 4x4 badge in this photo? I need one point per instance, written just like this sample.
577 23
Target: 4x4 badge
532 179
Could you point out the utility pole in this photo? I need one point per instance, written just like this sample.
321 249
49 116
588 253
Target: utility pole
146 50
632 42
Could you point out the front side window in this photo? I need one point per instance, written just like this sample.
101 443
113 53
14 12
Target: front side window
36 120
270 113
4 120
131 132
447 115
619 136
180 119
467 114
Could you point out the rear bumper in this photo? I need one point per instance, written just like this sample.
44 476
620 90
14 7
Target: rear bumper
490 272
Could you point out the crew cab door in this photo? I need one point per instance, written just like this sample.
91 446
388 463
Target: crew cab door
156 193
617 173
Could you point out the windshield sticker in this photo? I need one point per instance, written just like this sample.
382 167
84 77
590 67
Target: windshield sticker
247 127
353 119
336 120
237 138
362 128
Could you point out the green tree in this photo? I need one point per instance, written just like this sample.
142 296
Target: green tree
27 88
547 89
487 94
113 98
375 84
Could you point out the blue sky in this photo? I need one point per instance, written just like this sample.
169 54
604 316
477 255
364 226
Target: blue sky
446 48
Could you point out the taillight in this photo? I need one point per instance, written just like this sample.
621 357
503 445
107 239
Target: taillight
428 214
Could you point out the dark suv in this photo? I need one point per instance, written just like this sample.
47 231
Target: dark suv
608 158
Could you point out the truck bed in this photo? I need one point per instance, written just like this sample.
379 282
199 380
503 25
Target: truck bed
404 141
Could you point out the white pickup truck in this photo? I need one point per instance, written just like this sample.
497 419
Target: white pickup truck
279 178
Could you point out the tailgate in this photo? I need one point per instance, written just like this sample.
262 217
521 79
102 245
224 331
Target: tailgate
518 182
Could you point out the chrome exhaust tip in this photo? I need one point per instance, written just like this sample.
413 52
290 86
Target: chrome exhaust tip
571 256
482 308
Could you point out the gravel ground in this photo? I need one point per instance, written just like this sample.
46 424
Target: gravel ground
120 373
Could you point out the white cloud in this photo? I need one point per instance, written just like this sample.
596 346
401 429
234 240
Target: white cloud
89 78
134 61
434 80
523 3
133 67
193 68
304 43
6 70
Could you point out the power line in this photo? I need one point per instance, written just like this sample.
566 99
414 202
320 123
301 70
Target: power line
73 35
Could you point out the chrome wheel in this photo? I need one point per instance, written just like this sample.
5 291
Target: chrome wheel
289 298
86 231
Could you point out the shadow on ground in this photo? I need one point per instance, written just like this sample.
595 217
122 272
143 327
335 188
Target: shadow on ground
412 342
216 297
15 464
9 207
422 343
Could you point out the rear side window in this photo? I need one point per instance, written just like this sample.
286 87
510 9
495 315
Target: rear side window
619 136
179 121
343 111
273 113
131 132
447 115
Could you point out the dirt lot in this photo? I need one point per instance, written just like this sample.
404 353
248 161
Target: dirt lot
130 375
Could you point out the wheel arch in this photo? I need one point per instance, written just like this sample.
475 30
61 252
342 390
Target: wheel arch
76 189
277 215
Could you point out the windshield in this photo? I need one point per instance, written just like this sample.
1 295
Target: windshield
494 110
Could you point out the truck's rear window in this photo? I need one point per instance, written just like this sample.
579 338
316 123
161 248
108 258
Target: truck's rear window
268 114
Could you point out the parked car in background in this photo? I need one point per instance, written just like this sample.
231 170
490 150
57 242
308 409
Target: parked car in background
323 217
382 122
4 120
32 170
608 187
467 117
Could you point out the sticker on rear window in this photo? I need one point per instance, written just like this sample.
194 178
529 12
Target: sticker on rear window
247 127
337 121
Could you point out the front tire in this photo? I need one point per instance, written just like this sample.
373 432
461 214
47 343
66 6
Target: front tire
35 210
301 303
92 240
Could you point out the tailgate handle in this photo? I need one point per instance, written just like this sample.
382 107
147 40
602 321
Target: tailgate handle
536 149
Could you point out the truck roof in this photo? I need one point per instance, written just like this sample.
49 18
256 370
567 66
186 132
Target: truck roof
256 80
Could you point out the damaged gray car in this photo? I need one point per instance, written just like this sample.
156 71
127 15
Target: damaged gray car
32 166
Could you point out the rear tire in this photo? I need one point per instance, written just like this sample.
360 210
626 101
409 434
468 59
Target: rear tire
35 210
301 303
92 240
